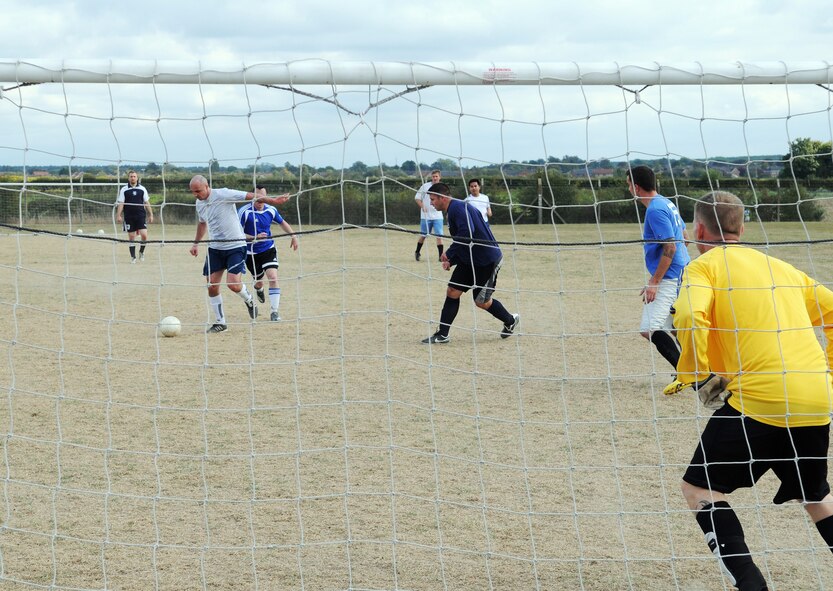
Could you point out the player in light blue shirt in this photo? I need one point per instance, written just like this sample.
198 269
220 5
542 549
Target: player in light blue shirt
666 256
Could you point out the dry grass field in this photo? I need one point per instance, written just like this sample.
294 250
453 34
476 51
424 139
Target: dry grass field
332 450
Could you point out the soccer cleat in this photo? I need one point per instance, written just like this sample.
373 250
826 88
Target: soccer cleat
261 296
216 328
274 317
508 329
133 261
250 306
675 387
142 257
416 255
436 338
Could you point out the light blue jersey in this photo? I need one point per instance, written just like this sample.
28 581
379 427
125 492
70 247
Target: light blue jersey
663 223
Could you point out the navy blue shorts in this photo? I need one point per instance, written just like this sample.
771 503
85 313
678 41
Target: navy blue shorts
232 260
735 451
134 224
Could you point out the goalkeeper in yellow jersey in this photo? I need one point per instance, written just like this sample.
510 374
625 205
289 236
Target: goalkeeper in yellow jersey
746 323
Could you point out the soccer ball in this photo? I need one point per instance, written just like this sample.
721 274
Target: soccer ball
170 326
101 231
79 231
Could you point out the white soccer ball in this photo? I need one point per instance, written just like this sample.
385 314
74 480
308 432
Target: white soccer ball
79 231
170 326
101 231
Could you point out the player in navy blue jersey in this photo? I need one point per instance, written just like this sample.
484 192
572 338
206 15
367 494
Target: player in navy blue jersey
134 202
476 258
261 255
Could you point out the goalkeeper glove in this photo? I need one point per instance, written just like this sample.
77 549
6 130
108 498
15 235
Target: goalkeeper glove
711 390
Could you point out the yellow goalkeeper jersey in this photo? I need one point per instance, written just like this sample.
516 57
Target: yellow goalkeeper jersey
751 318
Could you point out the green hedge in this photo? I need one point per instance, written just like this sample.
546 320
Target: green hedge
321 202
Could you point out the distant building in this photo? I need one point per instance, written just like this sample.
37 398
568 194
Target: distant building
597 172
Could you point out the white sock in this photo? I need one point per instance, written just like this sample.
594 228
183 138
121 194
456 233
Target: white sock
244 293
275 298
217 306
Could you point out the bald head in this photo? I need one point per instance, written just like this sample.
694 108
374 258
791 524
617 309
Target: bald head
199 187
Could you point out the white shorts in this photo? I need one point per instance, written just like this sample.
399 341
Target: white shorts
657 314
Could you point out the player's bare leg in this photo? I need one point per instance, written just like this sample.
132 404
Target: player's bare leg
234 281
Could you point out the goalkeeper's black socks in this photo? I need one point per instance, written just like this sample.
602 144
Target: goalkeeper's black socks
440 250
142 248
825 527
419 247
666 346
724 536
449 313
498 311
132 252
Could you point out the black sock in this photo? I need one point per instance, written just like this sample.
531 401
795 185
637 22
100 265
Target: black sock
132 252
724 536
142 248
419 246
449 313
440 249
825 527
666 346
498 311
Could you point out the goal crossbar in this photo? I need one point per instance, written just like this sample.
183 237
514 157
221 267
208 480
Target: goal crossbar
318 71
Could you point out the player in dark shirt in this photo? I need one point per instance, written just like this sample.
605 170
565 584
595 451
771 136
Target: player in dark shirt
134 202
476 258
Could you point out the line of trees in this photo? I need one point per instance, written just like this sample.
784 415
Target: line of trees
554 198
756 167
806 158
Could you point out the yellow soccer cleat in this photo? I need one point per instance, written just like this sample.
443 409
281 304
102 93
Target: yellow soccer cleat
675 387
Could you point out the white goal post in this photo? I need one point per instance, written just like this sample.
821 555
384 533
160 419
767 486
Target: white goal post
316 71
332 449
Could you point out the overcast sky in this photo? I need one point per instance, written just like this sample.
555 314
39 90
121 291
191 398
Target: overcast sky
471 124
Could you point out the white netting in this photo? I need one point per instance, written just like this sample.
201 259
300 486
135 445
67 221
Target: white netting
332 450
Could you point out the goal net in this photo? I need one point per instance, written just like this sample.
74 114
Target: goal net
332 449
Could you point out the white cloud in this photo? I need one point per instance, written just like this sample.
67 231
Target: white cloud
548 122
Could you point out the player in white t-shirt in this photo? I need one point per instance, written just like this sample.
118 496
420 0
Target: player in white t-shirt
227 249
479 200
430 220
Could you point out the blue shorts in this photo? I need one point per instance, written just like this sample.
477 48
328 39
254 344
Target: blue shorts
433 226
232 260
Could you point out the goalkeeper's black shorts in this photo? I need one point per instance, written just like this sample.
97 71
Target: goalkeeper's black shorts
722 461
481 280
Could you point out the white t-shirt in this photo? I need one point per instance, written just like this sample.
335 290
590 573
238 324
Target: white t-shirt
481 202
219 212
422 195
